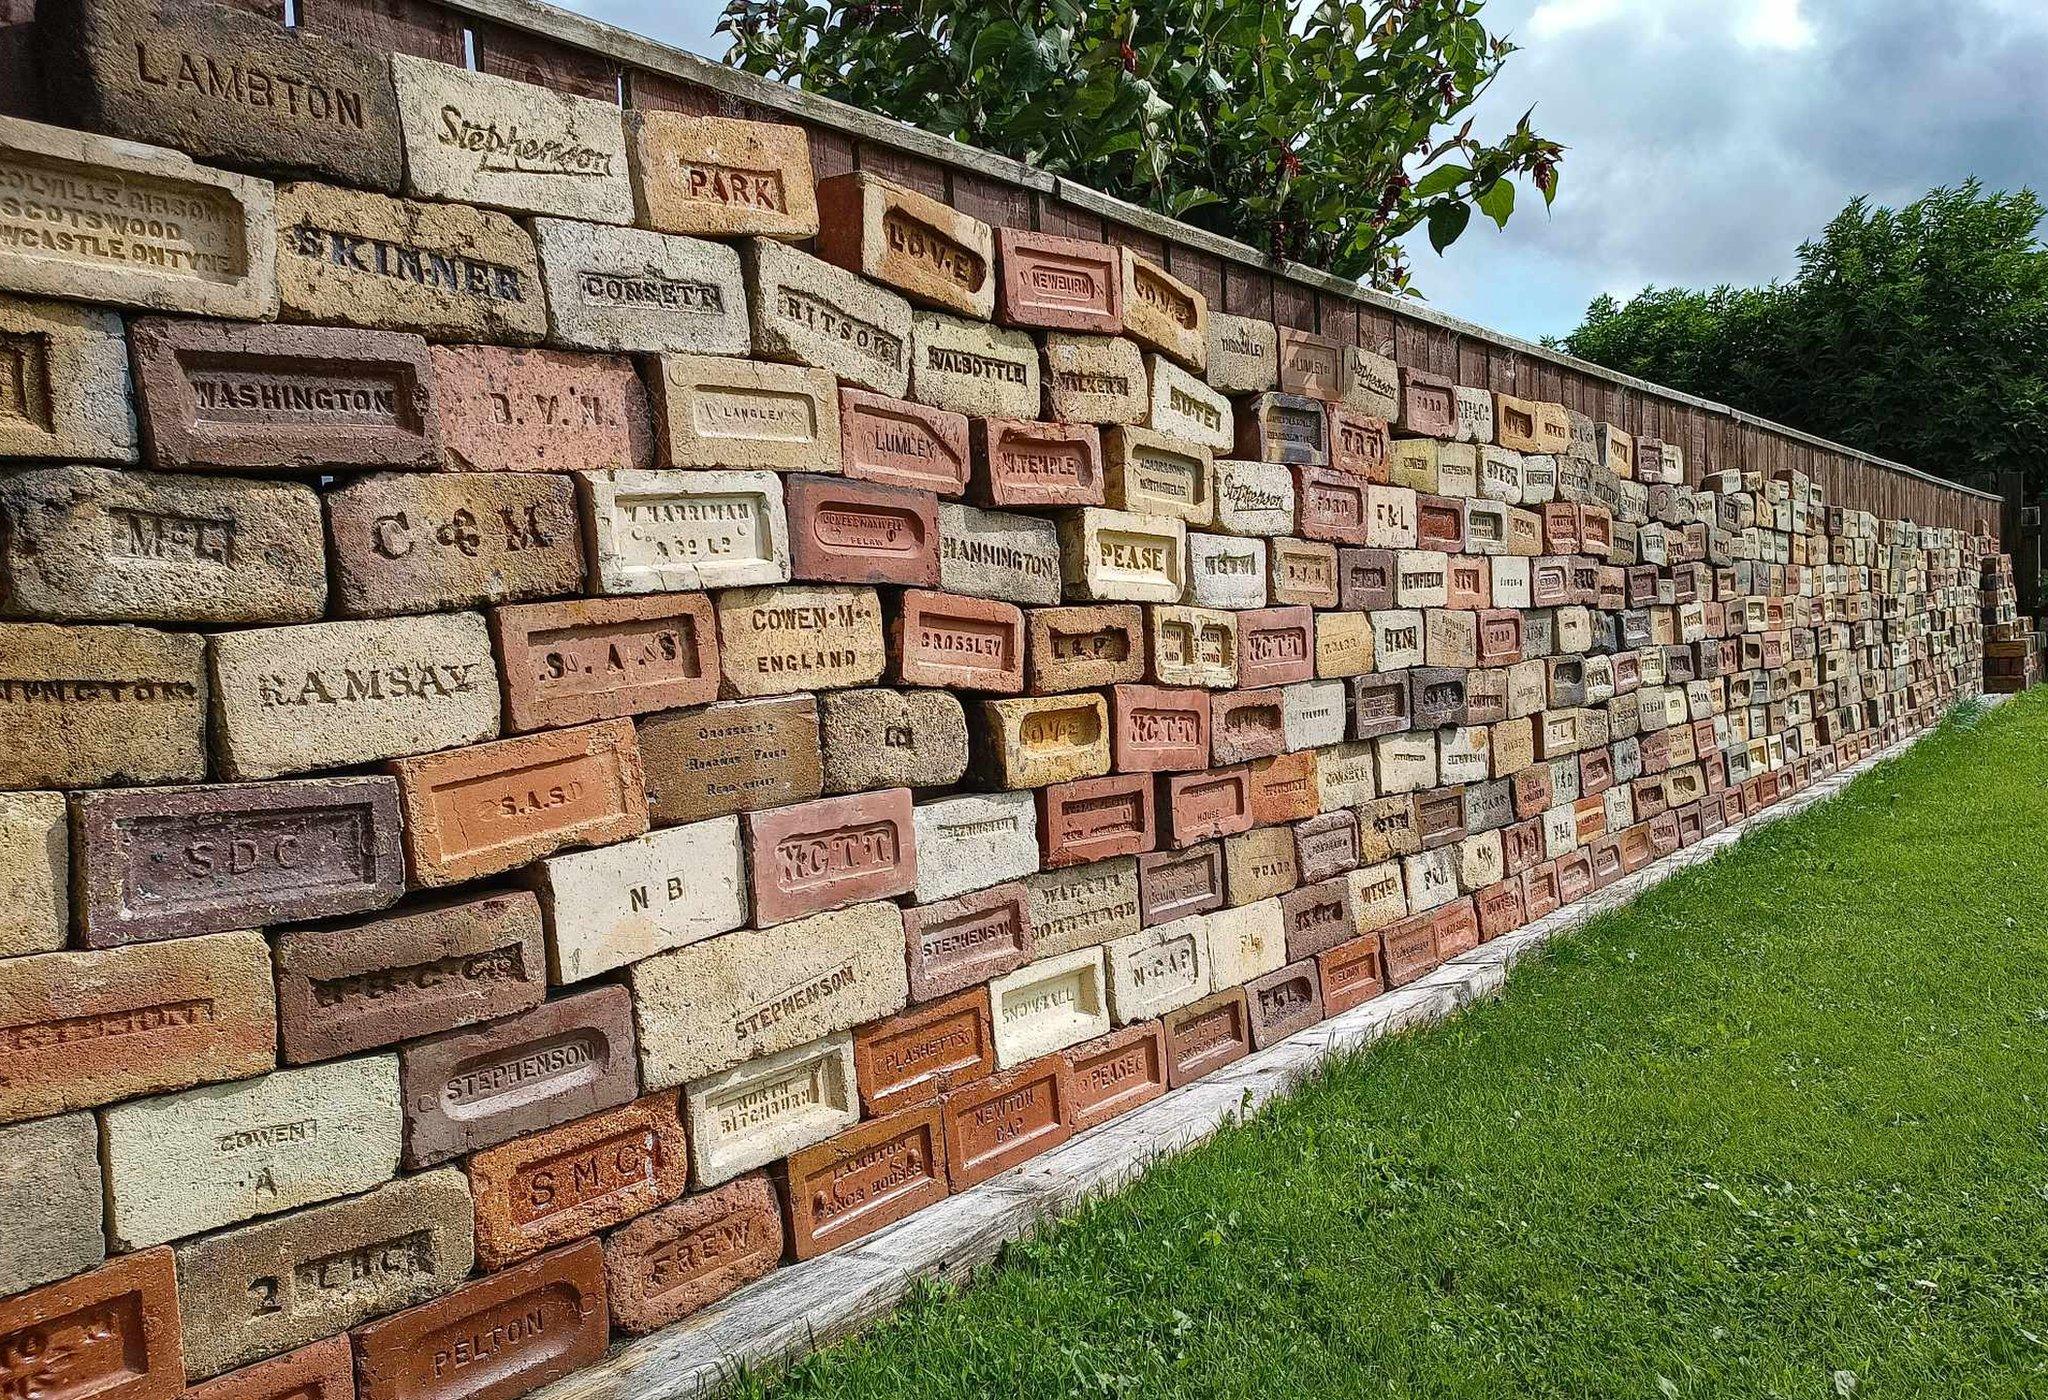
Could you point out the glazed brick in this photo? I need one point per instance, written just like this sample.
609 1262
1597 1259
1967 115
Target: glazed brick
1116 1073
1275 646
1175 884
850 1186
221 396
923 248
915 1056
507 410
169 862
739 756
1085 647
1095 819
1246 724
565 1182
111 1333
473 1088
589 659
477 811
846 531
954 642
960 942
1200 806
1037 466
1053 283
899 443
531 1324
1206 1035
451 962
668 1264
1283 1002
830 853
996 1123
1159 729
323 1371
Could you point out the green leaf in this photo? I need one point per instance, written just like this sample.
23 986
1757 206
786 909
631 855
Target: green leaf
1497 202
1441 180
1446 222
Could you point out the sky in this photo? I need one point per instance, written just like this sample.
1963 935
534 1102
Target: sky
1708 138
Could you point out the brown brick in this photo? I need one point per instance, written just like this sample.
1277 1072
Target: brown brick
1360 444
1283 1002
960 942
1159 729
531 1324
1206 1035
1429 405
433 967
1037 465
1350 974
1327 845
507 410
409 542
471 1088
1246 724
154 863
1095 819
850 1186
1086 647
1315 918
1062 284
1175 884
721 177
845 531
111 1334
90 707
1303 571
1199 806
899 443
603 658
995 1123
493 807
323 1371
1283 428
830 853
1310 365
220 396
926 250
1409 949
666 1265
1117 1072
565 1182
955 642
915 1056
740 756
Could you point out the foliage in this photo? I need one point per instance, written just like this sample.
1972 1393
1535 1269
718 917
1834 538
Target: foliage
1780 1118
1919 334
1321 136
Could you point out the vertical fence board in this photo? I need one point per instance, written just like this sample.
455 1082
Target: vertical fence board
1336 318
924 176
532 58
416 27
1248 291
1066 220
1293 305
1200 270
995 202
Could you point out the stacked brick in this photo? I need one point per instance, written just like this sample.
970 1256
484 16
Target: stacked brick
2012 647
587 714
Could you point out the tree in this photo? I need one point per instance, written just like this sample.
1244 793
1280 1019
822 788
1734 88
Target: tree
1322 136
1919 334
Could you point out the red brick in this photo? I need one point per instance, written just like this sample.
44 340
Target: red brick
505 410
1174 884
1359 443
961 942
1456 928
1607 861
1429 405
111 1334
492 807
995 1123
1539 890
1329 505
602 658
915 1056
1062 284
1200 806
847 531
1207 1035
322 1371
830 853
1115 1073
902 444
1096 818
529 1325
1468 587
1244 725
953 642
1664 834
1085 647
1283 1002
1500 637
1440 817
1533 791
565 1182
1037 465
1159 729
1574 876
1521 845
668 1264
1350 974
1561 527
1440 523
869 1176
1365 579
1275 646
1284 788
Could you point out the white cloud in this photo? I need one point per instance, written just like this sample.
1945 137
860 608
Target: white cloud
1773 24
1555 17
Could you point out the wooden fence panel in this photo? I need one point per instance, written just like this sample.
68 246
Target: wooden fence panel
417 27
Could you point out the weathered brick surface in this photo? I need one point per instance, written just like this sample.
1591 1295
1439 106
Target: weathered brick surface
75 400
1065 284
759 1110
720 177
406 542
502 409
737 756
100 706
111 1332
601 658
918 245
52 1209
667 1264
867 1177
35 873
813 856
808 312
1117 1072
891 739
662 531
993 1125
843 531
323 1371
799 637
899 443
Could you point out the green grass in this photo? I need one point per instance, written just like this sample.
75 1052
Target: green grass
1780 1128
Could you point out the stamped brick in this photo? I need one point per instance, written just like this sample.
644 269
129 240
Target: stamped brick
1192 646
912 1058
659 531
1243 354
1360 445
273 1143
100 706
70 395
972 367
1098 379
1082 648
999 1122
434 967
963 941
1315 918
721 177
1204 1037
844 531
627 289
762 1109
1225 572
1198 806
1158 729
1049 1005
899 443
998 554
534 1322
1310 365
1281 1003
215 258
1275 646
1327 845
1061 284
1286 788
1163 312
409 542
1082 906
1303 572
1036 465
927 250
739 756
1371 382
1429 405
112 1332
973 840
323 1371
1175 884
1245 941
504 409
1183 406
1283 428
799 637
1259 864
477 811
35 873
1350 974
1247 724
873 1175
941 639
1149 473
830 853
1035 740
573 662
682 1257
1117 1072
1118 556
721 413
1096 819
617 904
1158 969
266 1288
1254 498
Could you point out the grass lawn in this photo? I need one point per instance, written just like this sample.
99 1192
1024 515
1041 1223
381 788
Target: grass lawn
1780 1128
